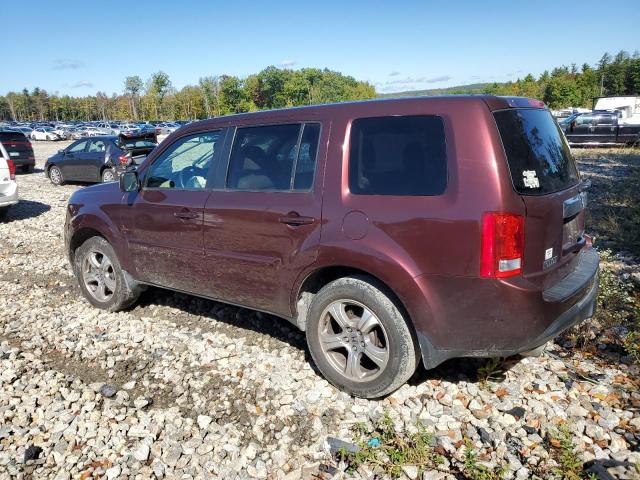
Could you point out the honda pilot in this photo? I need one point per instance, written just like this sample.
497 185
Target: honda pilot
389 231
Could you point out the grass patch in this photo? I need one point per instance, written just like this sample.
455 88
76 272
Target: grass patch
474 470
564 452
386 450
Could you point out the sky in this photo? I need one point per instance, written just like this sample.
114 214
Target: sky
81 47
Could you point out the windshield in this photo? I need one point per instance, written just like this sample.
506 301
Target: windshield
539 158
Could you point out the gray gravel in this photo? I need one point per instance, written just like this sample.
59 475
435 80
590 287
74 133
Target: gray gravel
181 387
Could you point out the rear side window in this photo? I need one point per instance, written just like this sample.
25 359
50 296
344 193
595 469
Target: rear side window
274 157
539 158
398 156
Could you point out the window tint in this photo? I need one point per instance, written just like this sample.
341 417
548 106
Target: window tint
398 156
605 120
11 136
97 146
78 147
185 164
265 158
539 158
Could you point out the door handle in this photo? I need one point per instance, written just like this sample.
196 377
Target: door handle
295 220
185 215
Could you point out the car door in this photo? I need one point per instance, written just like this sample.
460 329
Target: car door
581 129
262 225
605 126
93 159
72 160
164 220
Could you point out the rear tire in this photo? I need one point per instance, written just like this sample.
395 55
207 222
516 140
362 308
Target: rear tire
108 175
55 176
359 339
101 278
27 169
3 212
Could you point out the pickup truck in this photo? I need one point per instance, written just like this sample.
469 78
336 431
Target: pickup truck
600 128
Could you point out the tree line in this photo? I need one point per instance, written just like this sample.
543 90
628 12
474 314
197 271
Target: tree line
157 99
212 96
570 86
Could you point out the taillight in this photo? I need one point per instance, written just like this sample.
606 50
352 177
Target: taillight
124 159
502 246
12 169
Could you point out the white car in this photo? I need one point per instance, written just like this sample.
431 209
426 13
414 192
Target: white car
167 128
8 184
44 133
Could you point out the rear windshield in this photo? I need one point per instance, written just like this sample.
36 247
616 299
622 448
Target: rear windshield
539 158
10 136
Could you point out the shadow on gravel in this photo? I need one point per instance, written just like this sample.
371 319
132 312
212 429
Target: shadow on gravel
26 209
270 328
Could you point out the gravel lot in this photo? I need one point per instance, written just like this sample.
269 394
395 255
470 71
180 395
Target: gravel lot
181 387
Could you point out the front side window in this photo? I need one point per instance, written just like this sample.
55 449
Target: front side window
185 164
78 147
398 156
274 157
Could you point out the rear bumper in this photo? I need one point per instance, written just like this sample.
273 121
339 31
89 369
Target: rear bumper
494 319
8 194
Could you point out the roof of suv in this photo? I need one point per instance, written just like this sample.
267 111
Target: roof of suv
493 102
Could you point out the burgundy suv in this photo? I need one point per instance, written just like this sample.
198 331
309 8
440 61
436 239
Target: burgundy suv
389 231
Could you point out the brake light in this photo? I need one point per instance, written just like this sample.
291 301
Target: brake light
502 245
124 159
12 169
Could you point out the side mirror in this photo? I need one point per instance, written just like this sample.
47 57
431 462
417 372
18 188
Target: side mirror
61 151
129 182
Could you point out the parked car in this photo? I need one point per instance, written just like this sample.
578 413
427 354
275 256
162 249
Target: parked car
98 159
44 133
19 149
390 231
600 128
166 128
8 184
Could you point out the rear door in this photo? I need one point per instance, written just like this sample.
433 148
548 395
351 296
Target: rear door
605 127
262 226
92 161
544 173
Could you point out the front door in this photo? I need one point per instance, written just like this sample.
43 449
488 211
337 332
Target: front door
163 222
262 228
71 165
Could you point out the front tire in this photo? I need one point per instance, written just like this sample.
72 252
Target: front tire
55 176
359 339
101 278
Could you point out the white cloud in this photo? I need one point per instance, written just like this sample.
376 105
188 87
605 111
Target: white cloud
67 64
288 63
81 84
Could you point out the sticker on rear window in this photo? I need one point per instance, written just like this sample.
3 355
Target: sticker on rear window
530 179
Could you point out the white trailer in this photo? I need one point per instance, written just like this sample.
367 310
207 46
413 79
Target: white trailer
629 107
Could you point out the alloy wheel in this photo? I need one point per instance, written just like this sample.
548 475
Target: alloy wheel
98 275
55 175
108 176
353 340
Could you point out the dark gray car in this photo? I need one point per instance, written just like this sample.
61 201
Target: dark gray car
98 159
